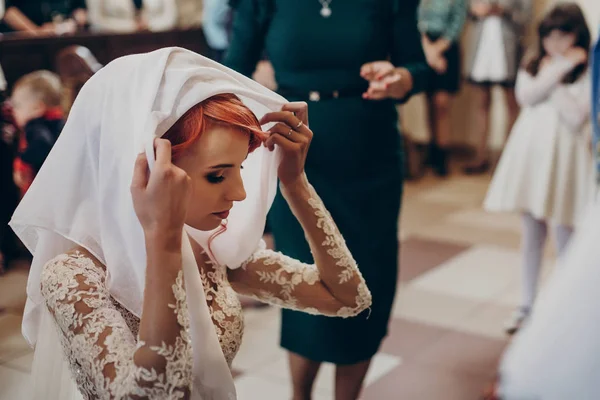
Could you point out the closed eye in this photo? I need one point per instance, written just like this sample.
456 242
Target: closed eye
215 178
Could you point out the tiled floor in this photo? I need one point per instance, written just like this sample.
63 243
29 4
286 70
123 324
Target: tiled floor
458 283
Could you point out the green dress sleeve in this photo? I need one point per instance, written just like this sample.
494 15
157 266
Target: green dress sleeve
407 50
249 28
457 20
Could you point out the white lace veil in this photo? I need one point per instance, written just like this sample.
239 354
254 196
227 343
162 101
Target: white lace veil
81 195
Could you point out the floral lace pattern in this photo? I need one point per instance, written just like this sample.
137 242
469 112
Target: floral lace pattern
99 336
278 279
99 342
224 307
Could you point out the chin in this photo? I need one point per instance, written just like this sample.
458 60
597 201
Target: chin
206 225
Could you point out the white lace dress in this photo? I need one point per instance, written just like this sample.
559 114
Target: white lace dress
100 338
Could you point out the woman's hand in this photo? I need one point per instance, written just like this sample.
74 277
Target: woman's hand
386 81
292 135
434 54
578 55
80 16
160 197
439 65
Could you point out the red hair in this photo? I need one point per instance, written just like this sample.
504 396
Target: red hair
222 109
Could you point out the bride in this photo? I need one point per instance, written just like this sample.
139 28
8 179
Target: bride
146 220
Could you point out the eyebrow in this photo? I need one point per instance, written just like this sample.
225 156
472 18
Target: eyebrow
221 166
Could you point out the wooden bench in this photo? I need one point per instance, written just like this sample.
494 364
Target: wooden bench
20 55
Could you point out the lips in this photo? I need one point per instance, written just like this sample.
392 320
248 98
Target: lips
222 215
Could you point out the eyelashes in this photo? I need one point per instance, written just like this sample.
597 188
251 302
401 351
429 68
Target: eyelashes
213 178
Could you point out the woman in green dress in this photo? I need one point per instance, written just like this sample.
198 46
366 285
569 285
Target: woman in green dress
352 61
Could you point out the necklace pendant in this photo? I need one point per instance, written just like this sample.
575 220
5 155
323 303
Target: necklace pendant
326 11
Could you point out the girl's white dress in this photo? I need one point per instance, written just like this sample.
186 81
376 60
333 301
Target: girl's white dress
546 168
490 60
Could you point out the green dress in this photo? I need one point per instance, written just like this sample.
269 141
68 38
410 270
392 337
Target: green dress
355 159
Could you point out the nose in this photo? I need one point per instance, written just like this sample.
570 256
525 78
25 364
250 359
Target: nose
236 192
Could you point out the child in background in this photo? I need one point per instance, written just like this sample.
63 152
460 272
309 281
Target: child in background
493 56
546 171
441 23
36 102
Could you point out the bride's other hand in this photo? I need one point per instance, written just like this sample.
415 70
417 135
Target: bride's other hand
160 197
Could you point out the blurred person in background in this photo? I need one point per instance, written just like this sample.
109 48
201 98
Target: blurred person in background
215 21
44 17
189 13
441 23
9 136
545 172
36 101
126 16
352 62
494 53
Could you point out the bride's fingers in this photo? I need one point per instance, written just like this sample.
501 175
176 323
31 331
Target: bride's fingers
288 133
284 143
289 119
300 110
141 173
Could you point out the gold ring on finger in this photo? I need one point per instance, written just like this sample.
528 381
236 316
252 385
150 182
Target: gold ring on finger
299 125
290 132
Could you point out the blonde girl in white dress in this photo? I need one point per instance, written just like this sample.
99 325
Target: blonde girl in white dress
545 172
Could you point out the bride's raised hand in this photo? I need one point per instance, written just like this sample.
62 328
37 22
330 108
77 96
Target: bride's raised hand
160 197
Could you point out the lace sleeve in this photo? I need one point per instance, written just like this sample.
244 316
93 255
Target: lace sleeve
333 286
106 359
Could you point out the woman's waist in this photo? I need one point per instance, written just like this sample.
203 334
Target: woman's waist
340 80
316 93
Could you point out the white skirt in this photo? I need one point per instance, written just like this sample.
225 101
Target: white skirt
490 58
545 169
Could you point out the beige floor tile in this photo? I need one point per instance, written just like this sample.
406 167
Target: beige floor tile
12 290
22 363
325 382
487 321
461 191
465 353
479 274
435 309
478 218
12 343
417 215
453 233
260 345
251 387
512 295
418 256
13 384
418 382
